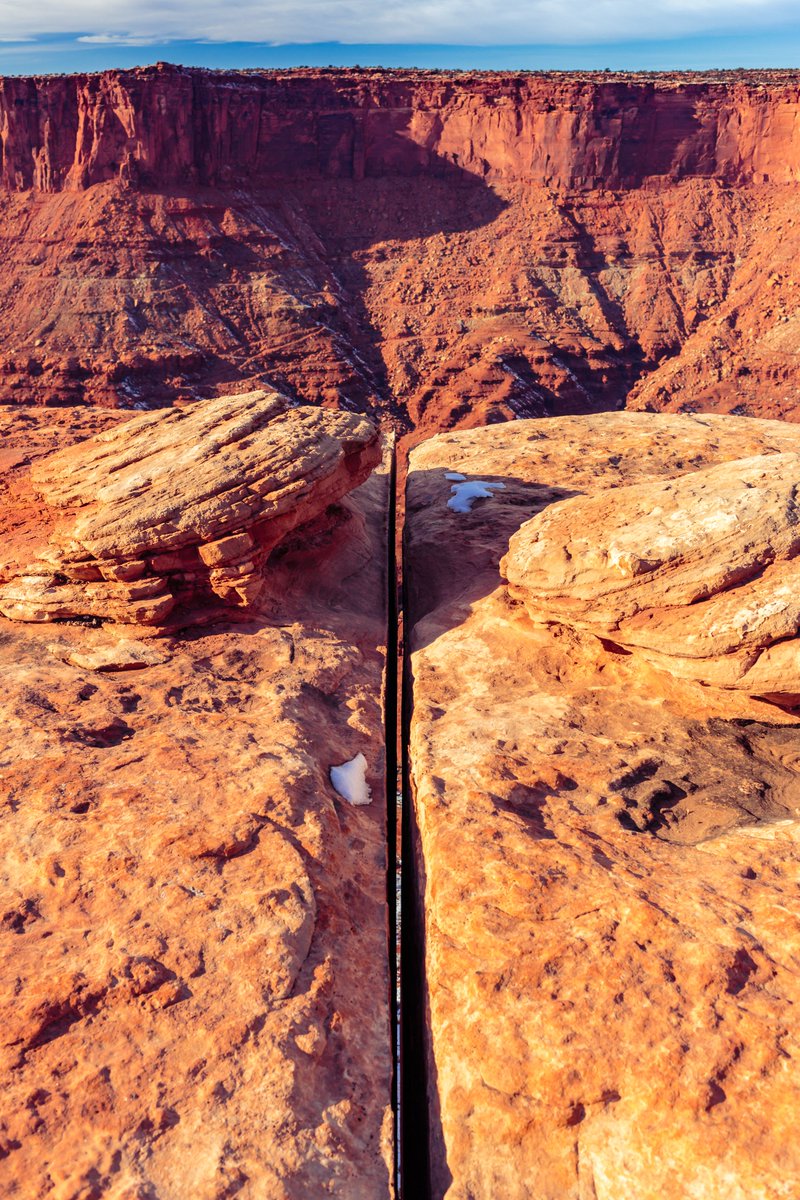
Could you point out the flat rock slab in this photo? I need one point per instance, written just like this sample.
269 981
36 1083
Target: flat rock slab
607 857
194 925
120 655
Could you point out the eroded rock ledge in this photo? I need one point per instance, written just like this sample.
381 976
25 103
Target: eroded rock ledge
193 924
700 573
176 508
606 851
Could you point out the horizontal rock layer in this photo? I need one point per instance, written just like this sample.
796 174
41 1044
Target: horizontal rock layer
444 250
177 507
605 855
193 924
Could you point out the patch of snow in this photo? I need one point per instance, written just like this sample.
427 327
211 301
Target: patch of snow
465 494
454 475
350 781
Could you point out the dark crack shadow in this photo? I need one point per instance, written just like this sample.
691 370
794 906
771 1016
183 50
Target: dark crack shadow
452 559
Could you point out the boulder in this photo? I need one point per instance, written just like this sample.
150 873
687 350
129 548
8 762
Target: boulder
180 507
700 574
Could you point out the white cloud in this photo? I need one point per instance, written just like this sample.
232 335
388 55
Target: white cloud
466 22
121 39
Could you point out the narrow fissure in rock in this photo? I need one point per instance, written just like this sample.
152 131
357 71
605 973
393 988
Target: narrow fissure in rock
412 1159
391 734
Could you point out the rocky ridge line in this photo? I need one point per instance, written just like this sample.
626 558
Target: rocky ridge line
560 129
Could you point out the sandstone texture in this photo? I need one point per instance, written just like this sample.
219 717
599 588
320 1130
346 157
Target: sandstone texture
196 983
602 849
443 250
583 129
700 572
175 508
605 849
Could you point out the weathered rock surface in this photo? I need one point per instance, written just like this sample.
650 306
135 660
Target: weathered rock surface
700 572
607 854
446 250
175 508
555 128
193 927
124 654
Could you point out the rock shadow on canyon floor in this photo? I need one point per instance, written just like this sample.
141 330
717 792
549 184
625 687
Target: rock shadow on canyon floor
420 195
462 550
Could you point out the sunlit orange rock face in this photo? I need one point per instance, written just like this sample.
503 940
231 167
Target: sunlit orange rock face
444 250
605 845
175 514
601 619
193 923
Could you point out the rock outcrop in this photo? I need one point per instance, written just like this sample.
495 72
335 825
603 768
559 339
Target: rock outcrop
193 927
605 853
445 250
175 509
700 573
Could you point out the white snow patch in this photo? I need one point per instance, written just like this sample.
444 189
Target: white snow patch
465 494
454 475
350 782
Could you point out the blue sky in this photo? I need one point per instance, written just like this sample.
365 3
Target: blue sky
86 35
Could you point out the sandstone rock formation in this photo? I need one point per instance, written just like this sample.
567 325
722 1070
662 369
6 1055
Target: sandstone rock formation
577 129
445 250
604 835
701 572
193 927
175 508
605 854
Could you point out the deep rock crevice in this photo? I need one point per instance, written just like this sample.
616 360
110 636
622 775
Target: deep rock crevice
563 803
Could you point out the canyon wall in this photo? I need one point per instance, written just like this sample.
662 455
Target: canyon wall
444 251
168 126
197 930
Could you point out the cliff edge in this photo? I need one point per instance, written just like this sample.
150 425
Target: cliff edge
438 249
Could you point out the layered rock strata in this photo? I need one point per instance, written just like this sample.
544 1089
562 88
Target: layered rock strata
175 508
447 250
193 923
606 854
699 573
558 129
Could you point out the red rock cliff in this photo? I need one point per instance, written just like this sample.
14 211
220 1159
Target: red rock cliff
166 125
446 250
